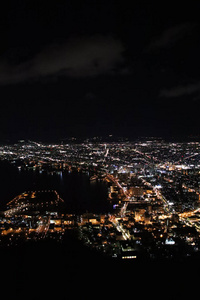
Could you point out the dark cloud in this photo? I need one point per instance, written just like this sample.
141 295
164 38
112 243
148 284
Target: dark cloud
78 57
181 90
170 36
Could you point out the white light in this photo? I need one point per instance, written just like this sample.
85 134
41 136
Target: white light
169 242
158 186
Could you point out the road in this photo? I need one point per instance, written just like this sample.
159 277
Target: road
119 227
43 226
115 181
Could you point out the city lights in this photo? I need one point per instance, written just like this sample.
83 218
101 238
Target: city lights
156 208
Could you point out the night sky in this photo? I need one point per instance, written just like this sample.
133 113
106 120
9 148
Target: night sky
88 68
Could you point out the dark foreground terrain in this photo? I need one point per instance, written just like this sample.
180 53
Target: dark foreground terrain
39 270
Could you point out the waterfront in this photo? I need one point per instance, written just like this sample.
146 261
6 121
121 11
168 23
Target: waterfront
153 186
79 193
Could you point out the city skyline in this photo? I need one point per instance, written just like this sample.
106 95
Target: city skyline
99 68
122 200
129 209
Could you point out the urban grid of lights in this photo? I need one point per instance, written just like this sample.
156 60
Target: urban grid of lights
154 187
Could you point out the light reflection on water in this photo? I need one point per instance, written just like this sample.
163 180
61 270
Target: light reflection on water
79 193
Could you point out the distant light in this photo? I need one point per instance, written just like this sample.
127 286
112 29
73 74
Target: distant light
129 257
158 186
169 241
